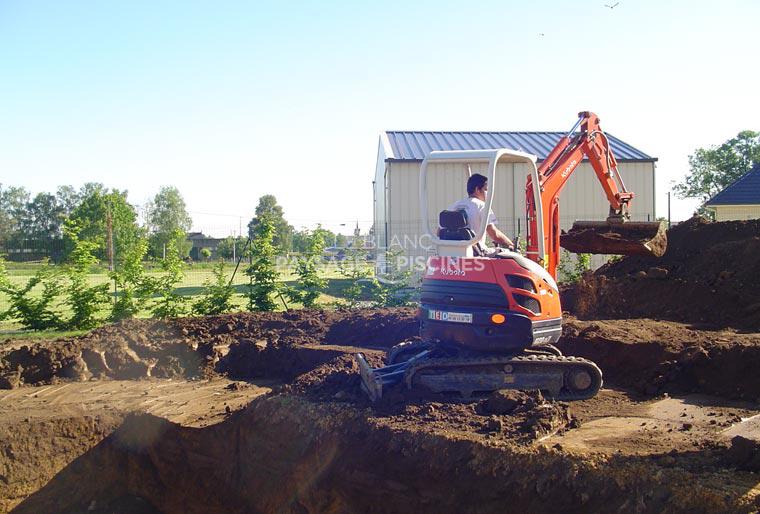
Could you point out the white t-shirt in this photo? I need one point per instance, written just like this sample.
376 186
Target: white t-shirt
474 209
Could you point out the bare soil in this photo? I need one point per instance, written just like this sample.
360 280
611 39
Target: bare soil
660 429
191 347
43 429
263 412
285 453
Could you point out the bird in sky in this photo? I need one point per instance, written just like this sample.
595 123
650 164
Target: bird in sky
612 6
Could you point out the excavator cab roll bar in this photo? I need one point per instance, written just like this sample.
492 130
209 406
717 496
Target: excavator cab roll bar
491 158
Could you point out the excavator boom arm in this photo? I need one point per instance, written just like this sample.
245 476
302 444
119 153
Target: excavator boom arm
589 142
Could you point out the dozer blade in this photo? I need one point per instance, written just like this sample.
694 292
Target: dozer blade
372 382
626 238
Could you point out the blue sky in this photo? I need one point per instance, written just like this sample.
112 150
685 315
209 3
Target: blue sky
232 100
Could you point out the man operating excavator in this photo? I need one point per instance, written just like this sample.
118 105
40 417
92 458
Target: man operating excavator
490 322
474 207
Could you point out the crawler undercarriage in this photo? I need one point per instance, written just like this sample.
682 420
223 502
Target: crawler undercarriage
454 371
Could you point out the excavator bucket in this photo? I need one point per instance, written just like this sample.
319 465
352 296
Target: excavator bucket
626 238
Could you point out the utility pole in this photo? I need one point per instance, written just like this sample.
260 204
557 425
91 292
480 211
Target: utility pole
668 209
109 249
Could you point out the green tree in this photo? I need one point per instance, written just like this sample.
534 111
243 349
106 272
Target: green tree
302 239
216 297
283 232
168 221
85 300
135 287
341 240
43 218
68 198
170 303
225 247
713 169
310 284
13 202
262 273
91 216
4 283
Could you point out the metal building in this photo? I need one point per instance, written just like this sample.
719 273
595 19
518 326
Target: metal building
397 220
740 200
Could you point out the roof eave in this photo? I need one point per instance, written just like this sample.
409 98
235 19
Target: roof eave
736 204
651 159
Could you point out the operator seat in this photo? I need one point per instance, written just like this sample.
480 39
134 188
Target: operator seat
453 227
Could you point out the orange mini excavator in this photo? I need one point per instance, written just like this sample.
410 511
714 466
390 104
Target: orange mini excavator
489 320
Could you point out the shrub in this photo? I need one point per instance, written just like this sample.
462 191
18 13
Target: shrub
571 270
262 273
310 285
34 311
85 300
170 304
134 287
217 294
394 288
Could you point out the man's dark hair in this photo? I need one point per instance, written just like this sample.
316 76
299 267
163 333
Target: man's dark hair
475 181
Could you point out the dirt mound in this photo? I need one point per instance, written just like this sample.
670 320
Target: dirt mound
196 347
709 274
126 350
646 355
653 357
382 329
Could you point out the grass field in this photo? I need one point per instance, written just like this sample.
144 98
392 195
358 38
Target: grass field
191 287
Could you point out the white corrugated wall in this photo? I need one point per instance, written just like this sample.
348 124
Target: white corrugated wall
581 198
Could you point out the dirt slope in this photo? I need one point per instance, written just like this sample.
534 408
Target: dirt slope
43 429
287 454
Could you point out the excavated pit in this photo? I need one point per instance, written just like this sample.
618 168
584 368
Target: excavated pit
211 439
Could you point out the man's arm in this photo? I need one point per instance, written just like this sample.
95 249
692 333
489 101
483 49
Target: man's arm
497 236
